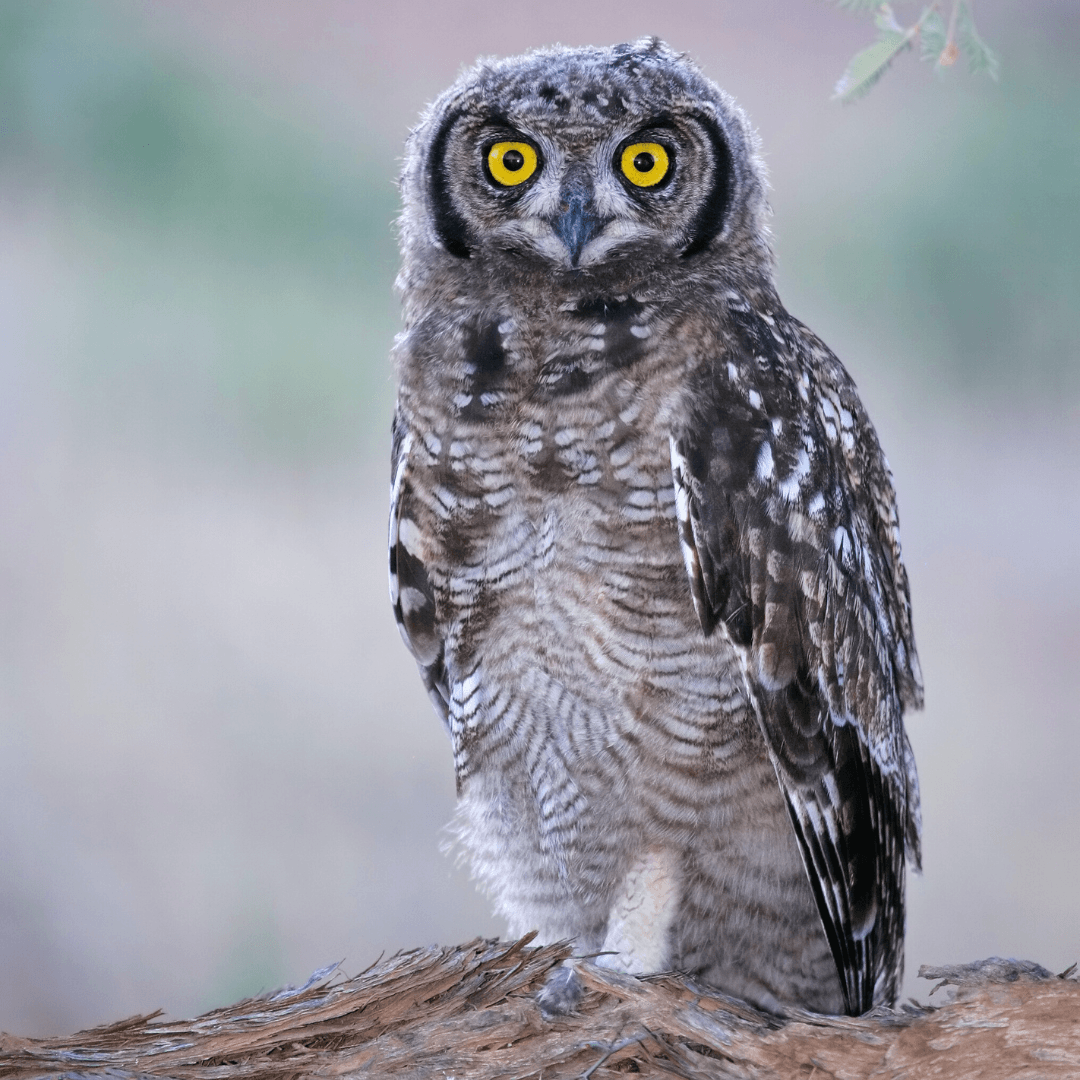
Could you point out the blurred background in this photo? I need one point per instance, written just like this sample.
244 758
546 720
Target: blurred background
218 770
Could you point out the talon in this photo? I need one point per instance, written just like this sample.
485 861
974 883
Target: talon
562 994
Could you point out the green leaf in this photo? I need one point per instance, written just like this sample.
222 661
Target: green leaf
868 66
980 56
885 20
933 36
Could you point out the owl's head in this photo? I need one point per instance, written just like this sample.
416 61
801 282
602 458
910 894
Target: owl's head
584 161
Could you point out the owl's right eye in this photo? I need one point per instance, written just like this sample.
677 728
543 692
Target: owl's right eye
511 163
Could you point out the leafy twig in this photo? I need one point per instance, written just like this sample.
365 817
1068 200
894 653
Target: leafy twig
938 43
980 56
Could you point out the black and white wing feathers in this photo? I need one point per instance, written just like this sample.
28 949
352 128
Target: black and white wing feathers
411 591
788 526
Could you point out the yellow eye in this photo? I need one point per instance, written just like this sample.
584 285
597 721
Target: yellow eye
645 164
511 163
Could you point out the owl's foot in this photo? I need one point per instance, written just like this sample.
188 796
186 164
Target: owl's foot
561 994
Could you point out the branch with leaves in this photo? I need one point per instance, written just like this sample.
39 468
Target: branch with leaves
939 42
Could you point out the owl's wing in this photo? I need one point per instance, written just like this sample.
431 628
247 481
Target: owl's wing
411 591
788 526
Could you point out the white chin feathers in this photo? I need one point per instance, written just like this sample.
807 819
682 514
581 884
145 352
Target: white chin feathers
537 237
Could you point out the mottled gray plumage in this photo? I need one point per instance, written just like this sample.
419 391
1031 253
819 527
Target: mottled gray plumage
644 543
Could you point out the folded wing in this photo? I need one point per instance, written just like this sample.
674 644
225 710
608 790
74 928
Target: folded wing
788 527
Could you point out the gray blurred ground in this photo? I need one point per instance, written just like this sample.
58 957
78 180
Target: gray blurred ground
217 768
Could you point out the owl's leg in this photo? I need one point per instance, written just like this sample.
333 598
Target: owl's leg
637 939
637 936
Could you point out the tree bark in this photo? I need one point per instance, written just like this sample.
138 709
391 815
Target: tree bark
470 1012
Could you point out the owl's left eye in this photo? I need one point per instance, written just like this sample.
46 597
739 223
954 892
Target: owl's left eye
645 164
511 163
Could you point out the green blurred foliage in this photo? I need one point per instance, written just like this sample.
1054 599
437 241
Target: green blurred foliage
254 964
227 271
230 267
967 260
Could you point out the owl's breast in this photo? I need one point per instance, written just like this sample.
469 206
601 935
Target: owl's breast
542 481
541 501
542 459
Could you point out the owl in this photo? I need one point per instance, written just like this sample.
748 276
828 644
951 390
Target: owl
644 543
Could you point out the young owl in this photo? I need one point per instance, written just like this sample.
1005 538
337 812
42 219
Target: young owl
644 542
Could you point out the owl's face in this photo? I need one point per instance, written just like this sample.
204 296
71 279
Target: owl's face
582 195
583 160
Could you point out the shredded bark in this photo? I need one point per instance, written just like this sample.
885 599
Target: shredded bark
470 1012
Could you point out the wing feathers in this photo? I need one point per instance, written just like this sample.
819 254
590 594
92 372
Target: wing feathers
411 591
788 537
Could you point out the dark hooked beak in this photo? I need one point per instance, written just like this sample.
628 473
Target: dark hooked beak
577 221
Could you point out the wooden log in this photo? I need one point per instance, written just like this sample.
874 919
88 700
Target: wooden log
470 1012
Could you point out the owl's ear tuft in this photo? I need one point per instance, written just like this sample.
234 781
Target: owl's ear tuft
710 218
449 225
